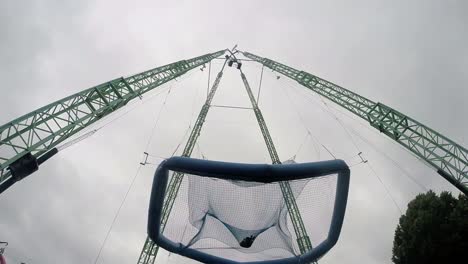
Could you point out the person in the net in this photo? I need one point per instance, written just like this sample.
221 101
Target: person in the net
247 242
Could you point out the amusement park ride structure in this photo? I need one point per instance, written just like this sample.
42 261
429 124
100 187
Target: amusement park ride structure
30 140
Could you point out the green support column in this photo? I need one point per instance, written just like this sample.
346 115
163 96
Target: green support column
303 239
150 249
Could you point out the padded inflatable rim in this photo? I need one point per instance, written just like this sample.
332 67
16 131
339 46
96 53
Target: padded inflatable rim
265 173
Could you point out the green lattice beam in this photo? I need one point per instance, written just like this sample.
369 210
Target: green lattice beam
303 239
29 137
448 158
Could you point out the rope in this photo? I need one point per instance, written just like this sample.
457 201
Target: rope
385 187
175 150
190 124
396 164
76 140
91 131
181 140
300 146
329 152
133 180
195 97
116 215
185 134
357 148
209 77
157 119
365 125
199 150
309 133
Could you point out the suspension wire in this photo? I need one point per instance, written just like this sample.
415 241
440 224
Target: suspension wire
329 152
309 133
395 163
169 87
303 122
133 179
199 150
300 146
260 84
189 126
181 140
386 188
91 131
157 119
186 131
355 145
346 157
340 123
232 107
355 164
156 156
76 140
154 128
117 214
357 148
195 97
209 76
349 136
153 156
365 125
351 157
183 137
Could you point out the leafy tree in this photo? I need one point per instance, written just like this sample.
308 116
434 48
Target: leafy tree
433 230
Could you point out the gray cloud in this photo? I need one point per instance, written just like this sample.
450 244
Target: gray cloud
412 56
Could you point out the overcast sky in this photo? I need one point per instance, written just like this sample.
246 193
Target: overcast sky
411 55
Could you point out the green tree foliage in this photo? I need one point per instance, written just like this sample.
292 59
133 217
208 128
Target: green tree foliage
433 230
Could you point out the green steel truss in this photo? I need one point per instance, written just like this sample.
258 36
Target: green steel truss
150 249
448 158
303 239
41 130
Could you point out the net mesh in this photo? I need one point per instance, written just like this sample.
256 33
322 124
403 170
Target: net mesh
248 221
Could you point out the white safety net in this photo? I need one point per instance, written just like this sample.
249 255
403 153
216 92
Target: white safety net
249 221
